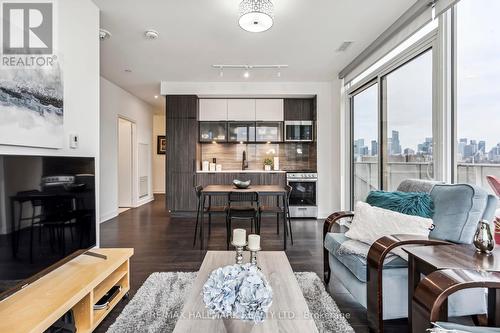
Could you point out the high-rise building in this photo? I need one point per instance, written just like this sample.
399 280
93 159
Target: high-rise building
395 144
482 146
374 148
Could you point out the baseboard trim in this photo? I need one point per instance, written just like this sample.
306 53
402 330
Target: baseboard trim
108 216
144 201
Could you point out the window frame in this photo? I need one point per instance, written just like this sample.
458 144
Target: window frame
430 42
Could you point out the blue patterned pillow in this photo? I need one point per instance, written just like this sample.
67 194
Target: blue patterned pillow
409 203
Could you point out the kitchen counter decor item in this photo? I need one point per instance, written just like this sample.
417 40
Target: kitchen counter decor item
241 184
268 164
240 295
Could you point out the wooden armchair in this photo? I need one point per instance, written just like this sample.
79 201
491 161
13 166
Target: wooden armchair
458 208
430 300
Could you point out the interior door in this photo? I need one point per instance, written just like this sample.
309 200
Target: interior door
125 169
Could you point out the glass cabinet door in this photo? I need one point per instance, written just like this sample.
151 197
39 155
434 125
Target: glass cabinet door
213 131
269 132
241 132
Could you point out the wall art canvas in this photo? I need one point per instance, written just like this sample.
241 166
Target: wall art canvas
31 107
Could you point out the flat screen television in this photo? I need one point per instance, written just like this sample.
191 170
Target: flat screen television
47 214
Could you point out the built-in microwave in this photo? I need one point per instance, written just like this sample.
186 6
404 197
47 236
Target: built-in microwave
299 131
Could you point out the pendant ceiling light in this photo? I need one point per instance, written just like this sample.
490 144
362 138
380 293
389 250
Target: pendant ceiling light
256 15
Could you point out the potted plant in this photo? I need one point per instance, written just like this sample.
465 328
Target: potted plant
268 164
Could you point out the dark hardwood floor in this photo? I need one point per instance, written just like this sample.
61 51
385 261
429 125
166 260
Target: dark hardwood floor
163 243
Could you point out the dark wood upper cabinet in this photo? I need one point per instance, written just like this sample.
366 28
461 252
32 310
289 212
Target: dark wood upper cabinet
182 106
299 109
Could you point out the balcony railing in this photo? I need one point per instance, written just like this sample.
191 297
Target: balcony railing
366 175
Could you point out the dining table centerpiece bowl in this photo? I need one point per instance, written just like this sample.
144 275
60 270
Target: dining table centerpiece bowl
241 184
238 294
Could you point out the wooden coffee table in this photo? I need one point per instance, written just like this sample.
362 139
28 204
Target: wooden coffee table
288 312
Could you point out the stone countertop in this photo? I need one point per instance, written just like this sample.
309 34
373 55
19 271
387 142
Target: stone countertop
242 171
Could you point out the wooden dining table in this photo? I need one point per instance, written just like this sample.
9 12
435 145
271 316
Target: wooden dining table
262 190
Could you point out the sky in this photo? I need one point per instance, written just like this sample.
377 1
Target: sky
409 88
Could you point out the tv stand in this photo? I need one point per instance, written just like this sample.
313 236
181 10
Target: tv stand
75 285
95 254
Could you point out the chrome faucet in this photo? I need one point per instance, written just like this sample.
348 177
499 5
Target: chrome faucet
244 162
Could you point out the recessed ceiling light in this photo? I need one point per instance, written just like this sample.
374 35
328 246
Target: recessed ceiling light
156 96
256 15
246 74
151 34
104 34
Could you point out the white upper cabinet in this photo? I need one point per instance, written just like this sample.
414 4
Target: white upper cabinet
241 109
269 110
213 109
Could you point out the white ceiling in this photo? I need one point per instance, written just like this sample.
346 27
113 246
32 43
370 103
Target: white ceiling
194 34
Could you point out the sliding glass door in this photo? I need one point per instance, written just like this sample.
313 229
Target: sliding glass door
408 122
365 150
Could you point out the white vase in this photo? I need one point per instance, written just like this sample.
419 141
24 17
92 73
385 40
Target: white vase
267 167
238 326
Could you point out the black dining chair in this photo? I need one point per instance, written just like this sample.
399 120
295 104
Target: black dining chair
279 210
210 209
242 206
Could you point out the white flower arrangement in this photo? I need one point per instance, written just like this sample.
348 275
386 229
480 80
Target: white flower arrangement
239 292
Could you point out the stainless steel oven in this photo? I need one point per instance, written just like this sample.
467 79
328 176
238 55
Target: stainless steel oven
299 131
303 199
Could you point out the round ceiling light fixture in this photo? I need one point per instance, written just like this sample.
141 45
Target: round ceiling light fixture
256 15
151 34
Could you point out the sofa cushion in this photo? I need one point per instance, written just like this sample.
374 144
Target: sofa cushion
410 203
356 264
457 211
371 223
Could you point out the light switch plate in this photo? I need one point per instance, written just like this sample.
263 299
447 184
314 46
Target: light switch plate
73 141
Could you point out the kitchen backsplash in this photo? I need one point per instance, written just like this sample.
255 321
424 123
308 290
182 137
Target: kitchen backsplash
292 156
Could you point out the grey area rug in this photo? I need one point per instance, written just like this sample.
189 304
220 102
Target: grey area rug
156 305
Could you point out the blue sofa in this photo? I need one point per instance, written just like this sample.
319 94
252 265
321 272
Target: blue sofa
458 209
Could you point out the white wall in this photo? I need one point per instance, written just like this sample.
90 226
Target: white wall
115 103
77 28
328 109
159 127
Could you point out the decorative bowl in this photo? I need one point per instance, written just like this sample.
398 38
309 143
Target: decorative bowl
241 184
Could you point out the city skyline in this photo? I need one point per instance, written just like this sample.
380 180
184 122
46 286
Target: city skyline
468 150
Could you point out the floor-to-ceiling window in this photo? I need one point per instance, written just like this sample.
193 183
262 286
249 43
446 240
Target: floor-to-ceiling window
478 91
365 134
408 122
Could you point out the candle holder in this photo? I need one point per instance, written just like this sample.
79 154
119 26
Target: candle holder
253 255
239 252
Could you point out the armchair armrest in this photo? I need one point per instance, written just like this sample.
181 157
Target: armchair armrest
432 293
375 263
329 226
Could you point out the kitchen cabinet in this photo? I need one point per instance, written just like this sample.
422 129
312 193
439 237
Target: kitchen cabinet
269 110
299 109
213 109
213 131
241 131
182 150
269 131
241 109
